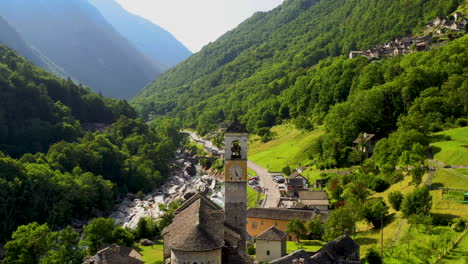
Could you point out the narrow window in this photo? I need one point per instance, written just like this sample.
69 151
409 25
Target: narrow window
254 224
263 222
276 223
268 252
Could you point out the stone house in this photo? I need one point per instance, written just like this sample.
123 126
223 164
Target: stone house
115 254
270 245
439 21
457 15
320 183
317 200
261 219
365 143
342 250
198 234
355 53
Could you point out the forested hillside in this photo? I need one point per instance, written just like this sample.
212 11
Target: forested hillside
248 71
38 109
50 169
75 36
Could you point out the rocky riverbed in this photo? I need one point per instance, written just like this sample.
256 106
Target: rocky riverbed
184 180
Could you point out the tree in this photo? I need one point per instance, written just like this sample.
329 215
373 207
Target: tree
123 236
417 173
373 256
286 170
356 190
418 202
296 227
98 232
374 210
142 230
65 248
315 226
28 245
395 199
338 221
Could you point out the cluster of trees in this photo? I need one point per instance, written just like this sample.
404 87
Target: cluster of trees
34 243
80 179
38 109
263 71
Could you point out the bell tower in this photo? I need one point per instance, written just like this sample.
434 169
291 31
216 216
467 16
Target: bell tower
235 179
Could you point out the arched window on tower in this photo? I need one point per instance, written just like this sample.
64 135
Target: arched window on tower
236 150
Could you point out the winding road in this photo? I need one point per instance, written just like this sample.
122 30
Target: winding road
272 195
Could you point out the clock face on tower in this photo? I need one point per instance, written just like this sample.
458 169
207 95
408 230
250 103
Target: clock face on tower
235 172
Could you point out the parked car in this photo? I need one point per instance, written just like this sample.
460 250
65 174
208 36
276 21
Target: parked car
254 178
279 179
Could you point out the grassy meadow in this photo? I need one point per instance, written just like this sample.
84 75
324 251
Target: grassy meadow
451 146
287 148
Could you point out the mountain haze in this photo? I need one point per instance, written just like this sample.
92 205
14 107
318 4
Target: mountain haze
160 46
12 39
77 37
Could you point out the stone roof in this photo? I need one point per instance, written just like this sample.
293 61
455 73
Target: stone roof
367 137
280 214
295 181
288 259
313 195
197 226
235 127
272 234
338 249
114 254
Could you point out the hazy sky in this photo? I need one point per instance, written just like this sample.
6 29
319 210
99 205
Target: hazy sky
197 22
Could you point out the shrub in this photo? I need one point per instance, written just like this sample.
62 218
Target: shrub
251 250
395 199
418 202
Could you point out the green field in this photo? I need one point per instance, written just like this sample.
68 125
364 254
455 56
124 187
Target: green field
451 178
252 196
459 255
286 149
448 146
152 254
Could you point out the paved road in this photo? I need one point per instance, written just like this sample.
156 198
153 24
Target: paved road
208 145
272 194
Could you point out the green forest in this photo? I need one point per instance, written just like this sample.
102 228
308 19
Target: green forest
51 170
248 71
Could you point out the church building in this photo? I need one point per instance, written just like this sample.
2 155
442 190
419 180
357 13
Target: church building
202 232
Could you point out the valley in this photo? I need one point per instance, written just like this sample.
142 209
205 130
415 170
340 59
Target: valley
321 131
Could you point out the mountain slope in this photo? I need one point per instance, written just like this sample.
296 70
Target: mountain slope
12 39
76 37
245 71
38 109
156 43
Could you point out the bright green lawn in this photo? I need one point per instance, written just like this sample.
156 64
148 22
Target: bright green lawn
452 151
459 255
451 178
307 245
286 149
151 254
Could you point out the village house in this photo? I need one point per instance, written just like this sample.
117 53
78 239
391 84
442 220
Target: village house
343 250
365 143
270 245
313 200
295 183
355 53
115 254
261 219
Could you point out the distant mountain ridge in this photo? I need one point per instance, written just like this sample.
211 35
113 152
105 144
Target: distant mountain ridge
12 39
75 36
164 50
